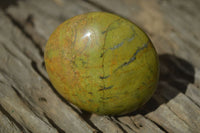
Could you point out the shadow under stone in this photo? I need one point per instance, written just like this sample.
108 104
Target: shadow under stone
175 75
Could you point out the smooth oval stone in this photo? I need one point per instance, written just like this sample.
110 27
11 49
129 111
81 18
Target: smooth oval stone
102 63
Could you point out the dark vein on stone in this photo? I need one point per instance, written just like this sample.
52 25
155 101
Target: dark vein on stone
105 77
105 32
109 28
90 93
119 44
133 57
130 39
105 98
102 55
106 88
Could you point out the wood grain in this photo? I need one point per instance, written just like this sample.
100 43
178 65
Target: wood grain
168 120
193 93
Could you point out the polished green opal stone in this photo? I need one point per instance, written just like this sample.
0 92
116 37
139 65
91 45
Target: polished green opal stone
102 63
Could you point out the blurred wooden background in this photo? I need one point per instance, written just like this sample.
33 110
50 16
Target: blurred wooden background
30 104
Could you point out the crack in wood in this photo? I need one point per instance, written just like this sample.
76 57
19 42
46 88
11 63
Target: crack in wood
17 24
190 99
177 115
23 99
159 126
11 52
21 128
118 124
54 124
126 124
86 116
134 123
95 4
35 68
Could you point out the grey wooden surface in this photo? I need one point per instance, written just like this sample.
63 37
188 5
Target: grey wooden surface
30 104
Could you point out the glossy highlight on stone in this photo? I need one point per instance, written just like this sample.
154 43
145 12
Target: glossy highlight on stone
102 63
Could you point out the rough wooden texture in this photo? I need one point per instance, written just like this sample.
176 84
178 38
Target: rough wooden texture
6 125
28 101
140 124
186 110
193 93
168 120
105 124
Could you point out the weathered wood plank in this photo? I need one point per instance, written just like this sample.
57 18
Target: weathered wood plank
6 125
125 127
104 124
168 120
145 125
126 120
181 106
163 94
197 77
29 121
193 93
186 110
140 124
